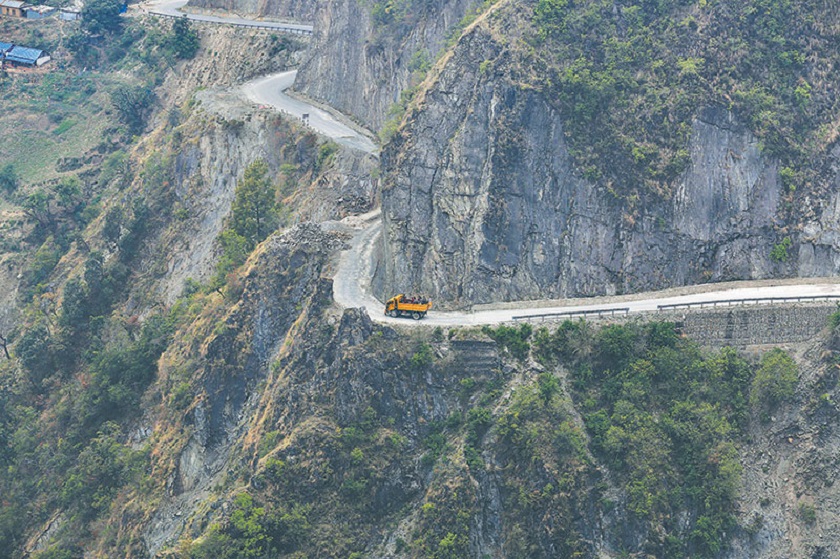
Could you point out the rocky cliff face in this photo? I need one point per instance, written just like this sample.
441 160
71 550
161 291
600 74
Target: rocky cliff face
819 240
230 362
360 67
218 139
481 202
297 10
205 172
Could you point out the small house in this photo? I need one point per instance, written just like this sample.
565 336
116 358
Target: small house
39 12
13 8
69 14
4 48
24 56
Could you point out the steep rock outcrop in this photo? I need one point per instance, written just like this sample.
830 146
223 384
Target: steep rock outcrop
481 202
206 169
283 281
216 144
298 10
360 67
819 248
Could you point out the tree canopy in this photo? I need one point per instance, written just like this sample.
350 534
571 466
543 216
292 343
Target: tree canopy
102 16
253 213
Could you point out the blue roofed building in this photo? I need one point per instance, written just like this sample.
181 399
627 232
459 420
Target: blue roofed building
26 56
4 47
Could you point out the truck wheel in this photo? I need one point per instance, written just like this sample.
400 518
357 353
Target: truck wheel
393 314
416 315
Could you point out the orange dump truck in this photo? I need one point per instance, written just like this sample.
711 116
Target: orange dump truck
415 307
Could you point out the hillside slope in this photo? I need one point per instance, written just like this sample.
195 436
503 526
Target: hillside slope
181 384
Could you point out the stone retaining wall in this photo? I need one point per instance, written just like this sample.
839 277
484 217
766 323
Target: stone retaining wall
742 326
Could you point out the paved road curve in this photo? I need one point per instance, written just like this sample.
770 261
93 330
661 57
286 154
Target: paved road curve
172 8
269 90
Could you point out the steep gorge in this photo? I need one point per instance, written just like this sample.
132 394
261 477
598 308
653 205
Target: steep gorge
272 423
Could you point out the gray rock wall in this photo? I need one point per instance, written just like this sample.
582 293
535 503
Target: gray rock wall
481 202
818 253
360 68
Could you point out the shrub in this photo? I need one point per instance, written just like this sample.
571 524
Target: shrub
422 358
514 340
325 153
36 353
184 39
808 513
775 381
779 252
834 320
548 387
132 103
102 16
8 178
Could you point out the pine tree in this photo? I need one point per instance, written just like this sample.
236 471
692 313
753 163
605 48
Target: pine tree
254 210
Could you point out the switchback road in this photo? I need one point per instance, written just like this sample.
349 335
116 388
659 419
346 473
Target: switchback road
270 90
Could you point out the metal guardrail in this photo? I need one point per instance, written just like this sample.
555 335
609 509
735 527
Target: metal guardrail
675 306
568 314
748 301
280 27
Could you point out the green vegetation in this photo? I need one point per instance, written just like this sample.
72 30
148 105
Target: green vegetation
779 253
184 40
422 358
326 151
834 320
75 388
73 454
667 419
397 111
8 179
775 381
133 104
82 360
254 215
107 83
807 512
445 521
102 16
628 81
253 531
75 121
513 340
544 454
